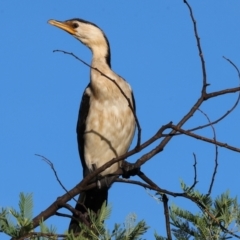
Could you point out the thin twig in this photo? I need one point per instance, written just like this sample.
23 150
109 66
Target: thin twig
158 135
191 112
212 95
220 144
195 172
216 153
174 194
151 187
123 93
146 179
221 92
126 180
199 49
74 212
46 160
64 215
44 215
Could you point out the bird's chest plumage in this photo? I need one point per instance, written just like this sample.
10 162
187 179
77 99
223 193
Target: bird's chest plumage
110 126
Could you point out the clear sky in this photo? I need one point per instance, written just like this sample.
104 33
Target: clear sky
154 48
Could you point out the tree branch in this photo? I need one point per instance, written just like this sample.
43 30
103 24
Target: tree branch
166 213
195 172
220 144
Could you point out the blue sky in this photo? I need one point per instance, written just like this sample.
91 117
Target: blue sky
154 48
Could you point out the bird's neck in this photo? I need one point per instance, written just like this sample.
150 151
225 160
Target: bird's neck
101 53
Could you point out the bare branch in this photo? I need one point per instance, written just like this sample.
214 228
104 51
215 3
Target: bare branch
219 93
64 215
220 144
55 172
74 212
191 112
125 180
195 172
199 48
166 213
222 92
158 135
84 184
185 195
216 152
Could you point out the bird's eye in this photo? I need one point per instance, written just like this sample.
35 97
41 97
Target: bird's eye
74 25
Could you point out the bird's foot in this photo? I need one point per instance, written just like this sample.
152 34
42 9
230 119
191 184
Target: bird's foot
105 182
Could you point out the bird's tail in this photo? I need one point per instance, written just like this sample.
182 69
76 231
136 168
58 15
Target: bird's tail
93 200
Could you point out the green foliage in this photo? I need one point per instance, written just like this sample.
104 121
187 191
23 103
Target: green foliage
215 214
15 223
205 199
19 223
157 237
44 230
97 229
130 231
209 223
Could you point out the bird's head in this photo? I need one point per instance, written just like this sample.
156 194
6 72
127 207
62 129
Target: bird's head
88 33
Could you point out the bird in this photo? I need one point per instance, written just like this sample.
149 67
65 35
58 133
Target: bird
106 123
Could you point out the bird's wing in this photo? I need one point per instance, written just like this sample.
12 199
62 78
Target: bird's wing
81 126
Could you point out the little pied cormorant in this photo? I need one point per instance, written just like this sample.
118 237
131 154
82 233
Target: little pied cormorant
106 124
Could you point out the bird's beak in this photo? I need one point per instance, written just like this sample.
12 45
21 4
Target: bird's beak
63 25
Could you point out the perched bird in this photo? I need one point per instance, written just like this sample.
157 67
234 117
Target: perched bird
106 124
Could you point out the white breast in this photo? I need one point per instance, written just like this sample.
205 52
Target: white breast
110 124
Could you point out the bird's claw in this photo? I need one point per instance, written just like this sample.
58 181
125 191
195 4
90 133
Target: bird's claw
105 182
